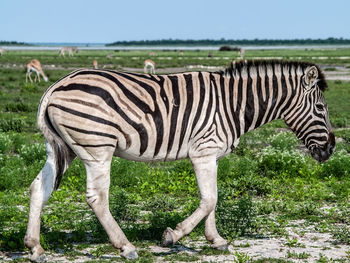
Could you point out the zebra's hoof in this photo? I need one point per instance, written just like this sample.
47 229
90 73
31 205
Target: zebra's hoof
38 258
131 255
222 247
167 238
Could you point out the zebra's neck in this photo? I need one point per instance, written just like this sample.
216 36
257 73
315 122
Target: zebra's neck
261 93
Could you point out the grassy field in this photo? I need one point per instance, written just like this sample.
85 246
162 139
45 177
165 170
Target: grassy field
116 59
266 187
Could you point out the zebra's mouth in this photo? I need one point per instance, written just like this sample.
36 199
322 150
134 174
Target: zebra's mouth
322 154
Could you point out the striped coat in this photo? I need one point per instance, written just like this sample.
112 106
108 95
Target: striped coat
96 114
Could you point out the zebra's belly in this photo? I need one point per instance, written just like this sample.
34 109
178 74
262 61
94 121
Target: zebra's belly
160 157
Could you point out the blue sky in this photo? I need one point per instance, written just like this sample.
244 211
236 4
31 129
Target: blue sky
107 21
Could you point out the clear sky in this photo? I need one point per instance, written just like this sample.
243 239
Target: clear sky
104 21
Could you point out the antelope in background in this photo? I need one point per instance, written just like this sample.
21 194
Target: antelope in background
94 64
151 65
1 51
69 50
35 66
241 53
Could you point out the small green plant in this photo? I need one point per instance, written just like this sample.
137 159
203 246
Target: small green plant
19 106
283 141
339 120
295 255
100 250
293 243
12 124
29 88
32 153
236 219
181 257
338 165
322 259
342 235
241 257
5 143
12 239
274 162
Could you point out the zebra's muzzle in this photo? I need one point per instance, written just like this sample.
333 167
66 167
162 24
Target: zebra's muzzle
322 154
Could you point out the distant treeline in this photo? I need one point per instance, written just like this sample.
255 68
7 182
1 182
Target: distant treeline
13 43
231 42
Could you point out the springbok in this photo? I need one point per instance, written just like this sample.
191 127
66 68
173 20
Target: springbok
241 53
34 65
69 50
94 64
151 65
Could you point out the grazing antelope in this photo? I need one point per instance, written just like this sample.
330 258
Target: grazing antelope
151 65
94 64
152 54
95 114
34 65
241 53
69 50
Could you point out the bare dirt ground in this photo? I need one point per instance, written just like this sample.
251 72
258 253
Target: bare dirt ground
305 244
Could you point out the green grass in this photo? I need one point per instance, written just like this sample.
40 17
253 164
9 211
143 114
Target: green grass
114 59
268 181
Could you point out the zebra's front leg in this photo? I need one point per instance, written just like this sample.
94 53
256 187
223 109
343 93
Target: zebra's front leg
212 235
98 181
211 232
206 174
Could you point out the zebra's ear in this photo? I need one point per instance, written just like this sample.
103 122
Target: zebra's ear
311 75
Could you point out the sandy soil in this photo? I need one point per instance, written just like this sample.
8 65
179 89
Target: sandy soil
302 239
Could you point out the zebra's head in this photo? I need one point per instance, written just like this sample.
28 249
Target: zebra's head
310 120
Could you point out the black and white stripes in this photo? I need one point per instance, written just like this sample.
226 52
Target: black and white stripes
95 114
165 117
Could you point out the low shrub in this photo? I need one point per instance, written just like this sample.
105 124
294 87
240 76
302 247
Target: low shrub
33 153
5 143
338 165
274 162
339 120
12 173
12 124
283 141
236 218
12 240
19 106
29 88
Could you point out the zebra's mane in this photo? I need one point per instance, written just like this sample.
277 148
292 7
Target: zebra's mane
237 67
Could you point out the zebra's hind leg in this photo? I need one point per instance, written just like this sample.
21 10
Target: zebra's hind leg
40 191
98 181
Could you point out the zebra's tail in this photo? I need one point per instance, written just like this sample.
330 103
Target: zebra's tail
62 154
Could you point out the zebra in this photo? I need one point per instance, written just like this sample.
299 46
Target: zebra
95 114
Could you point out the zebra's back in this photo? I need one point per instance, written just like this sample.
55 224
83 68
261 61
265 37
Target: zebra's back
144 117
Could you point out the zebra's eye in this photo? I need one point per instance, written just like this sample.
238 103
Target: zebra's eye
319 107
